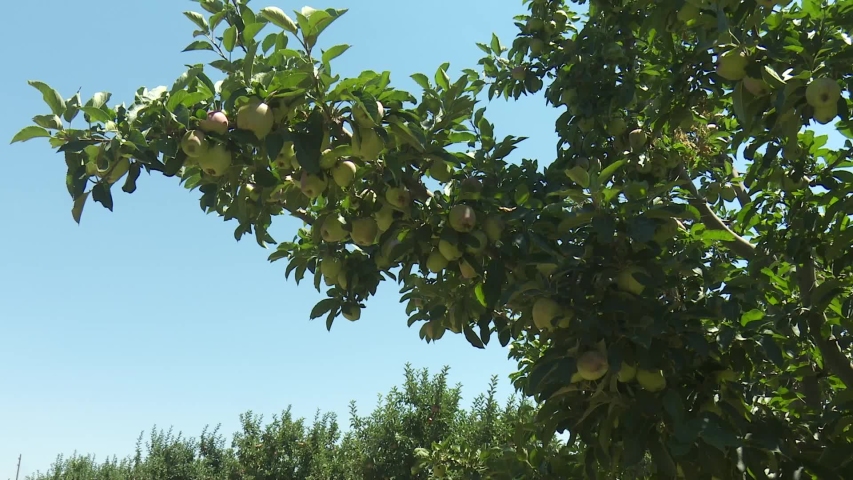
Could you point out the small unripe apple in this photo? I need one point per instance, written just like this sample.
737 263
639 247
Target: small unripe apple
732 65
637 139
823 92
312 185
518 73
537 46
450 250
257 117
627 282
193 144
626 373
756 86
344 173
462 218
653 381
363 119
545 311
616 127
494 228
286 157
479 244
364 231
342 280
384 217
332 230
824 115
216 161
398 197
466 270
592 365
328 159
436 262
351 312
441 170
215 122
330 266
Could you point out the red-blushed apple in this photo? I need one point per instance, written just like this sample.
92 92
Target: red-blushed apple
215 122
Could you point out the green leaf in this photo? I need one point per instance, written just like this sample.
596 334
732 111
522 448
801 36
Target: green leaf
48 121
824 293
753 315
198 19
579 175
229 38
496 46
72 107
28 133
473 338
77 209
334 52
607 173
198 45
279 19
182 81
96 114
51 97
421 80
323 307
99 99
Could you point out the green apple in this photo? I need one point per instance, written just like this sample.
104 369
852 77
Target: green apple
626 373
384 217
545 311
462 218
731 65
824 115
450 250
561 17
616 127
637 139
592 365
627 282
666 230
494 228
216 161
367 144
756 86
364 231
256 117
466 270
215 122
535 24
332 230
328 159
823 92
286 158
330 266
481 241
689 13
436 262
351 312
441 170
193 144
344 173
342 280
653 381
398 197
433 330
518 73
537 46
118 170
362 118
312 185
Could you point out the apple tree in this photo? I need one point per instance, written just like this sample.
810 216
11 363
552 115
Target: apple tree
675 283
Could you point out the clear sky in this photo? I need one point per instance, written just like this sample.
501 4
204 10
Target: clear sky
154 314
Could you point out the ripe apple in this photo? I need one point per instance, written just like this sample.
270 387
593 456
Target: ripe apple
823 92
120 169
363 119
732 65
824 115
384 217
653 381
479 244
756 86
436 262
441 170
257 117
332 230
544 312
398 197
627 282
462 218
193 144
351 312
216 161
215 122
626 373
466 270
364 231
286 158
312 185
494 228
637 139
344 173
592 365
330 266
450 250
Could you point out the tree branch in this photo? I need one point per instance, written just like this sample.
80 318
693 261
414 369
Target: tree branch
739 245
833 357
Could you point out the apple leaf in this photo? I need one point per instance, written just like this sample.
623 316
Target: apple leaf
30 132
51 97
77 209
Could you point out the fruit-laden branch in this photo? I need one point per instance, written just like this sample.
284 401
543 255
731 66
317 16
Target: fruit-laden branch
829 349
739 245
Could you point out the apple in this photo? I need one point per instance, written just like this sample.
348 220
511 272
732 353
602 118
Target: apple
436 262
466 270
627 282
286 158
216 161
592 365
344 173
825 114
254 192
494 228
616 127
689 13
441 170
462 218
384 217
193 144
328 159
561 17
637 139
731 65
332 230
652 381
546 269
480 243
257 117
342 280
215 122
666 230
626 373
537 45
312 185
756 86
363 119
330 266
586 124
535 24
518 73
367 144
450 250
364 231
120 169
351 312
398 197
576 378
433 330
823 92
544 312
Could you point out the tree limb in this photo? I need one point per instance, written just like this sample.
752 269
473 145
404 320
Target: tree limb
833 357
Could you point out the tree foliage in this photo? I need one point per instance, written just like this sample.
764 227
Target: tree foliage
675 282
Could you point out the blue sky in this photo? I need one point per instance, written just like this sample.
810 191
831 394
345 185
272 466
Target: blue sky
154 314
